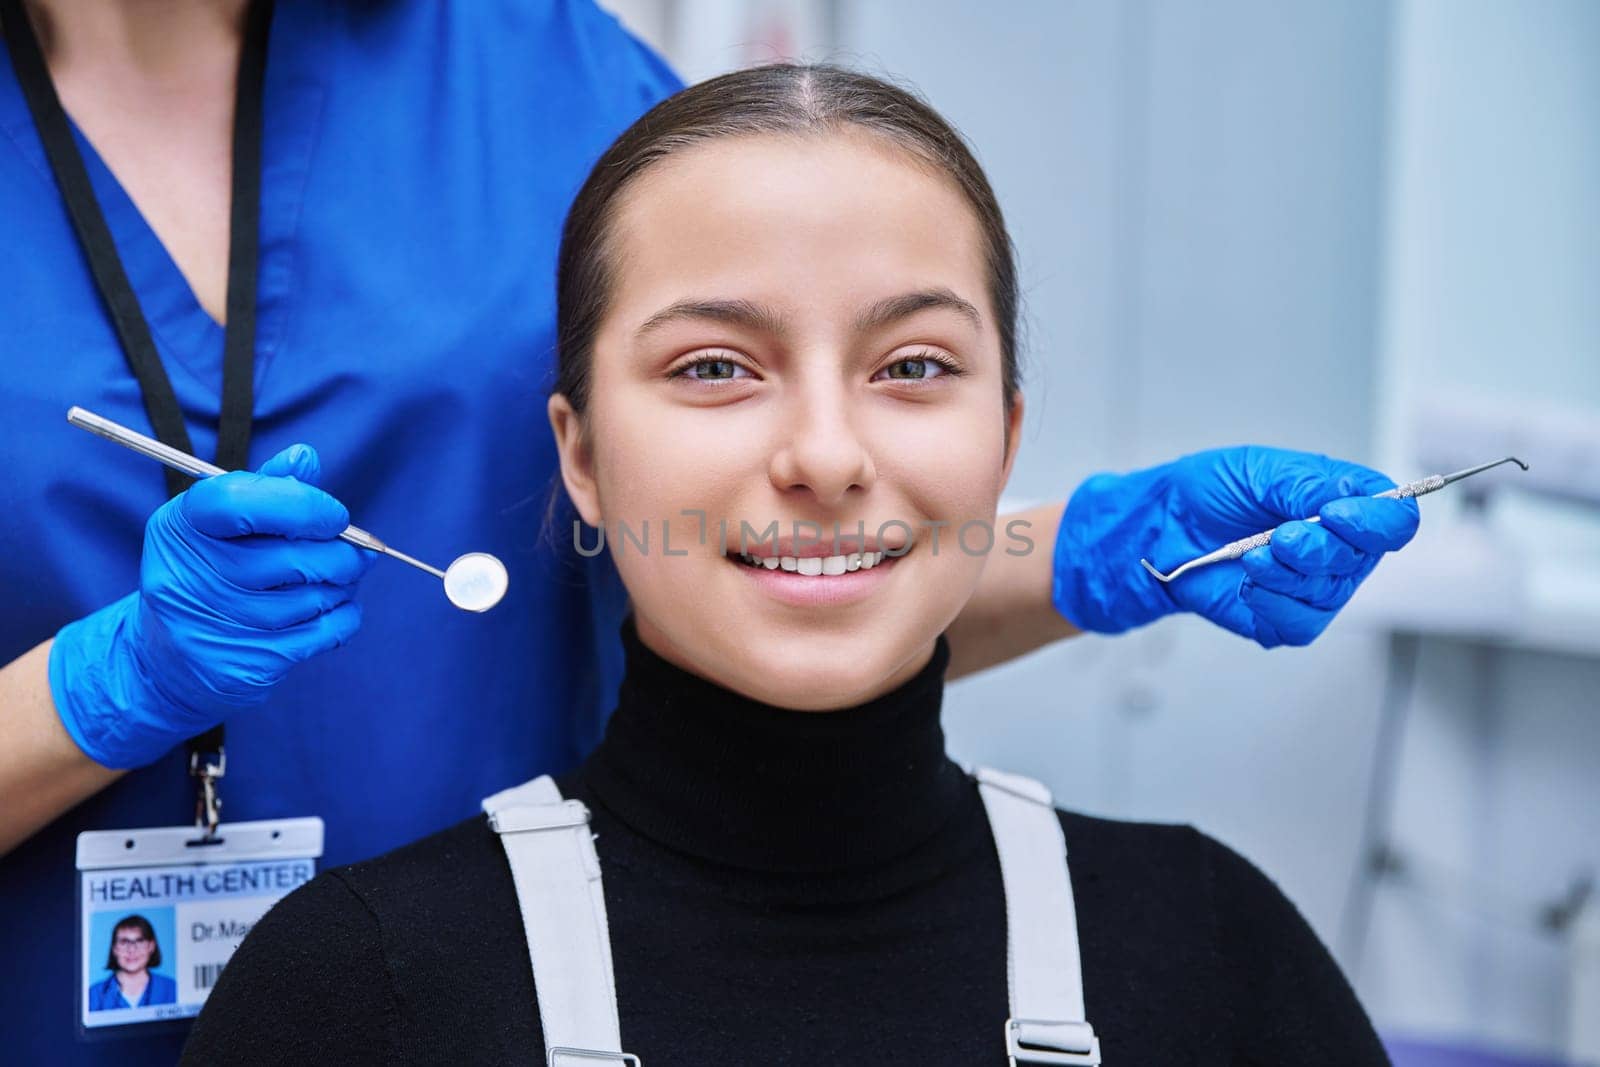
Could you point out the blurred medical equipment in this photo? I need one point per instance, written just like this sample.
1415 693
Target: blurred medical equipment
1496 573
475 581
1583 1022
1452 425
1235 549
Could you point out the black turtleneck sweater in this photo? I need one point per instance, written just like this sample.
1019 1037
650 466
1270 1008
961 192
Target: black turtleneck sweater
785 888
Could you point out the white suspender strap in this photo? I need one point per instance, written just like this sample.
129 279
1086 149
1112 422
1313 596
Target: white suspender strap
1045 978
557 874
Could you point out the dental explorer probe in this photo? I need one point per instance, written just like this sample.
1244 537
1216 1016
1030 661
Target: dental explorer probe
473 582
1235 549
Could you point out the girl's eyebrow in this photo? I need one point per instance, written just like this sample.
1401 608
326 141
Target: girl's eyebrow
769 320
738 312
895 308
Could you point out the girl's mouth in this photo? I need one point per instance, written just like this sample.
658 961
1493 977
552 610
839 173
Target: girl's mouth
818 581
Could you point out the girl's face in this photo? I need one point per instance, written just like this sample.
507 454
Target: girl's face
799 330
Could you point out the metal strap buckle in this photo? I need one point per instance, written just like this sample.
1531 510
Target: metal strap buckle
1053 1042
520 818
591 1054
208 802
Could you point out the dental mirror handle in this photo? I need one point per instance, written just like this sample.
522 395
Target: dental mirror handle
194 467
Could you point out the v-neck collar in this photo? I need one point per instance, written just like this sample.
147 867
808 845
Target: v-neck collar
298 58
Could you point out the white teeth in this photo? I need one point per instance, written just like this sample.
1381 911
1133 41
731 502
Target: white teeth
816 565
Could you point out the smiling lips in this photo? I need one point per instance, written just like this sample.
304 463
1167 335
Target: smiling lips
812 572
818 581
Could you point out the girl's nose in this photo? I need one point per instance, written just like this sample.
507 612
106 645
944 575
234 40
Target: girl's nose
818 447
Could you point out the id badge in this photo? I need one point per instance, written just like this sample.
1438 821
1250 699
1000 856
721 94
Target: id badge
160 910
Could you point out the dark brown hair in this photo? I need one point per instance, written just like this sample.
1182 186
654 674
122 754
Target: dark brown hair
140 923
783 98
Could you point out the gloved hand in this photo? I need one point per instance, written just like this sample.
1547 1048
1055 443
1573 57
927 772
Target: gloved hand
1284 593
242 577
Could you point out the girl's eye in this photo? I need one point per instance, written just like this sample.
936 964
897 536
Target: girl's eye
923 365
711 370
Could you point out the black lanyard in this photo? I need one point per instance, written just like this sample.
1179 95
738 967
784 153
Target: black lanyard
122 303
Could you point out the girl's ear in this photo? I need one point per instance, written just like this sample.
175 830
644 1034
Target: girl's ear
1013 437
577 458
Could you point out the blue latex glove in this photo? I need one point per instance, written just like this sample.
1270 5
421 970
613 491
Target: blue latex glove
242 577
1284 593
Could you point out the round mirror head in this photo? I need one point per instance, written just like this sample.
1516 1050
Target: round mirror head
475 581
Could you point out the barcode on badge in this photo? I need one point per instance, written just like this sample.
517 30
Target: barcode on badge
205 975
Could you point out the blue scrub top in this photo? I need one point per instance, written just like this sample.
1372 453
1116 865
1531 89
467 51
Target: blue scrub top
107 995
419 161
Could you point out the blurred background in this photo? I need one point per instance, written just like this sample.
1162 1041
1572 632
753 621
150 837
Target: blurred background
1365 228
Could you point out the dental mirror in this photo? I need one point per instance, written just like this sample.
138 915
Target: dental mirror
473 582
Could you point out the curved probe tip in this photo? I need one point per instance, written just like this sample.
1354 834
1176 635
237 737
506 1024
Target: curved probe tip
1518 462
1155 573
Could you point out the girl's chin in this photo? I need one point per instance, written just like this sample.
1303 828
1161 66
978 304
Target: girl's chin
830 675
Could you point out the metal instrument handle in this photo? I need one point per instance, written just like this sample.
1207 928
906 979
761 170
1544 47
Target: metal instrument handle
194 466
